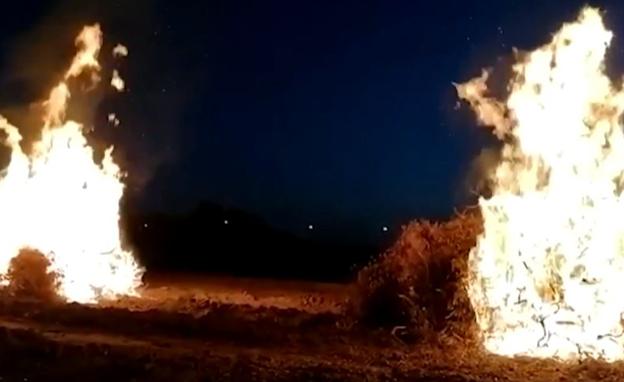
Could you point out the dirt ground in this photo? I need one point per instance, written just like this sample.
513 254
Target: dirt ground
221 329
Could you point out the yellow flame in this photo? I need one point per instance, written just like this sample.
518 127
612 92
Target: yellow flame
546 275
59 201
89 42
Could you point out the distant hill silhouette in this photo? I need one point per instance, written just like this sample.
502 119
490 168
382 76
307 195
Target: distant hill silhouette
215 240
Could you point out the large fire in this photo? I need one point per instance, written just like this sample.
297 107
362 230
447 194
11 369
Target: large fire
59 201
546 276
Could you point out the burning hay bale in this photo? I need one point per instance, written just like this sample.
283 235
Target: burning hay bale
29 276
417 284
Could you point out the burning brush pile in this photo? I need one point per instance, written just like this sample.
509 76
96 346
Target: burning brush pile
545 277
536 270
59 208
541 267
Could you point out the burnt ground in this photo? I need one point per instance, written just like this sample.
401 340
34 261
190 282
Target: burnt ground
214 329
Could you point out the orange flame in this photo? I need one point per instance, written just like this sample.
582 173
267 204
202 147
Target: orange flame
546 274
59 201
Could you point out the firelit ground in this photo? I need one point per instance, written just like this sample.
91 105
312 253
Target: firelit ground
186 329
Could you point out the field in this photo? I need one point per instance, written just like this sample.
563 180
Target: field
220 329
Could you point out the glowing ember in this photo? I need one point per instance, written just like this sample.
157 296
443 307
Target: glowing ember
112 118
117 82
60 202
546 275
120 51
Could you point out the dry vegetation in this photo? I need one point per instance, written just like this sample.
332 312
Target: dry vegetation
417 286
29 276
255 332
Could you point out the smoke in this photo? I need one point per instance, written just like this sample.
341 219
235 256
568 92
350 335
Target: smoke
482 167
478 179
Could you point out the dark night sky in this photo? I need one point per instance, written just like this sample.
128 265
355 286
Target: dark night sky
339 114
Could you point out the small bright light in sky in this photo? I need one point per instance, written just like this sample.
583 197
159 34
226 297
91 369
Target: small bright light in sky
384 228
226 222
145 225
310 227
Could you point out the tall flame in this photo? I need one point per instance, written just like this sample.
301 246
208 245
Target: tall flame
59 201
547 273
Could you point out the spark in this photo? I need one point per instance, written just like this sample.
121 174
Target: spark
117 82
112 118
120 51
